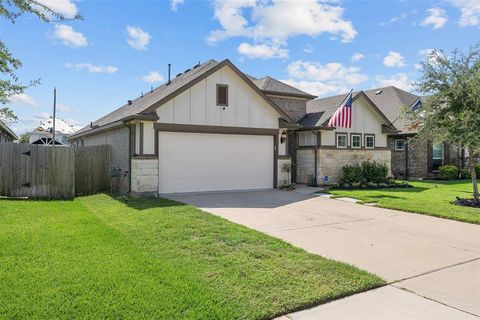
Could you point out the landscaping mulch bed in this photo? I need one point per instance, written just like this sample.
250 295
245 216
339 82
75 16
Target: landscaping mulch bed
370 186
467 203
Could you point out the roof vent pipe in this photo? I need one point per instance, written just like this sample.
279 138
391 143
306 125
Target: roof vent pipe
169 73
129 102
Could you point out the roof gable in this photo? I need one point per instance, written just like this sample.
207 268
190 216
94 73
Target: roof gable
4 127
146 105
321 110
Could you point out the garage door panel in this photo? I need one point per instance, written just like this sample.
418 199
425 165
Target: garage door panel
191 162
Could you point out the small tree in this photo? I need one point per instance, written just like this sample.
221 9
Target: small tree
452 112
11 9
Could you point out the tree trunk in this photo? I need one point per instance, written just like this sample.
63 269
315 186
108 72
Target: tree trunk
473 173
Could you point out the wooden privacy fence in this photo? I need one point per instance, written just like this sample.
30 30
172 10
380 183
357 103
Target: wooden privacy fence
37 171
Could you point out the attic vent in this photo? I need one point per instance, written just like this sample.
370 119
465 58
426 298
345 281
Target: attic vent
378 92
178 75
129 102
187 70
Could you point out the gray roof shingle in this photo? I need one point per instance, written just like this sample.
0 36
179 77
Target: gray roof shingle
272 86
139 104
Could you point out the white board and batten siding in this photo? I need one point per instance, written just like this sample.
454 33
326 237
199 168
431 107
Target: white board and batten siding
365 120
197 162
197 105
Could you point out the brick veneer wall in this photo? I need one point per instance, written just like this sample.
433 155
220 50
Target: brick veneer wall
419 158
118 139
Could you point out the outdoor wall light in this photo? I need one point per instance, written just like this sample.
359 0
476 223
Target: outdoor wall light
283 137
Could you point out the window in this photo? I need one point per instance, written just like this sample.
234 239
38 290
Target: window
369 141
437 155
399 145
356 140
222 95
341 140
307 139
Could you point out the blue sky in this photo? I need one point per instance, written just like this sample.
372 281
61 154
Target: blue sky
122 48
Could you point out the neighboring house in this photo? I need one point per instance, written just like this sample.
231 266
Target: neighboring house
6 134
389 129
214 128
43 133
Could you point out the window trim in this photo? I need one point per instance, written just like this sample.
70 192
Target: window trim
351 140
404 144
337 134
226 95
368 135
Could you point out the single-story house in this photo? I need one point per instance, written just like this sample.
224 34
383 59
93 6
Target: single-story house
43 133
6 134
214 128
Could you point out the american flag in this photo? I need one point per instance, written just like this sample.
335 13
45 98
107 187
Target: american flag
343 116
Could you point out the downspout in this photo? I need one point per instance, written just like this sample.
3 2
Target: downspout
129 158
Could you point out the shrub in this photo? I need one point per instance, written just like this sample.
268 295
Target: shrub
351 174
448 172
374 172
465 174
365 173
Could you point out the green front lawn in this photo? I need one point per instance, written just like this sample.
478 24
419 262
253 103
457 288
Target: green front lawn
433 198
96 257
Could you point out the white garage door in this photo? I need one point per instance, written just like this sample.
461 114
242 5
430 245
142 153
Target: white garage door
191 162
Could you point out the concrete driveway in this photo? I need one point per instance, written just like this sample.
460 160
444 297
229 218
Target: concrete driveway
432 264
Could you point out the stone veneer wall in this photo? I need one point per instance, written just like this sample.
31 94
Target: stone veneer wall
283 175
331 161
144 177
305 164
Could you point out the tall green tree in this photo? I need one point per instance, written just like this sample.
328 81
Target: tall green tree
10 10
452 112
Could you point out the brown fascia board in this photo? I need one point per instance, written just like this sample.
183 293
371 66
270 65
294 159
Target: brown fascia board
225 62
113 125
389 129
284 94
96 130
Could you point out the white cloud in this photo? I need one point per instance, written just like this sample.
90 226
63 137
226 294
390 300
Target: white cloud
174 4
418 66
275 21
24 99
69 36
436 17
399 80
323 79
137 38
318 88
152 77
357 57
63 108
262 51
43 115
91 67
428 54
394 59
470 12
334 72
308 48
65 7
